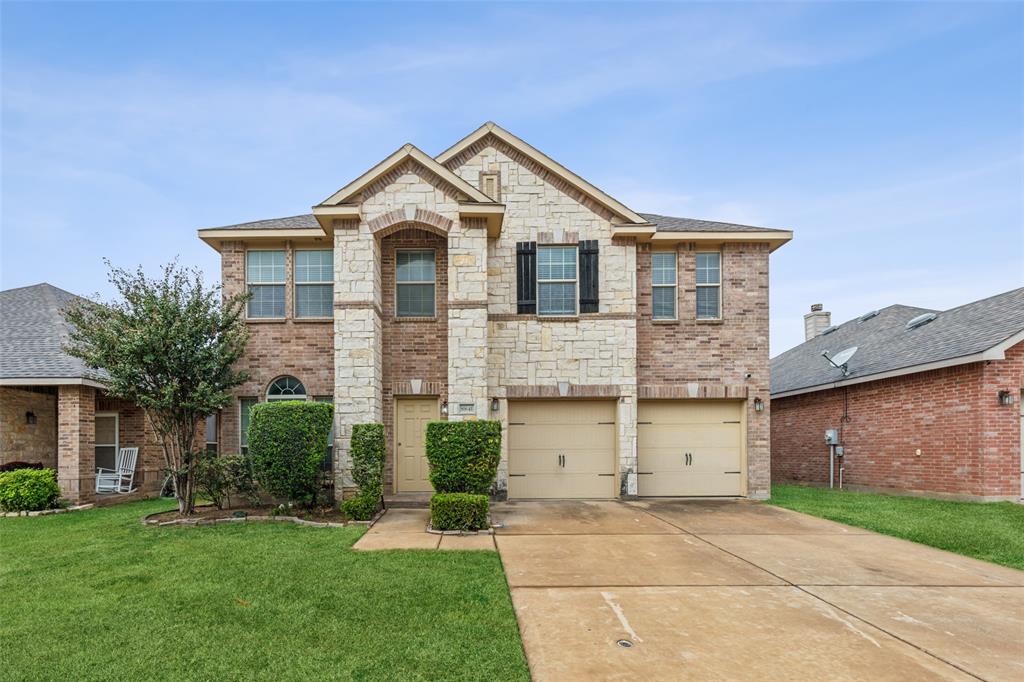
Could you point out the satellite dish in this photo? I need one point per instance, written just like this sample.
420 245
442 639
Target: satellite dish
840 359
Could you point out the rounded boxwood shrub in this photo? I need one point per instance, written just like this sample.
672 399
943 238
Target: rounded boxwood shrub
463 456
361 508
28 490
287 440
458 511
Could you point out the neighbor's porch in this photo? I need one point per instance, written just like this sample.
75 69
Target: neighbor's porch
74 429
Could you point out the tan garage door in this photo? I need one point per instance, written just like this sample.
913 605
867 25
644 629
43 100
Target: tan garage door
690 447
561 449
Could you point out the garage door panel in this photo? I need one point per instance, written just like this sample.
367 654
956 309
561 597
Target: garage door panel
561 449
710 431
560 486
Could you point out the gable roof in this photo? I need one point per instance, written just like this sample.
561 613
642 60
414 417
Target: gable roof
32 331
492 128
665 223
405 153
977 331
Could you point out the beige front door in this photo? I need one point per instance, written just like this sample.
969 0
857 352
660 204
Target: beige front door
690 448
561 449
411 417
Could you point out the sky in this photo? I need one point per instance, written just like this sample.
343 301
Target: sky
888 137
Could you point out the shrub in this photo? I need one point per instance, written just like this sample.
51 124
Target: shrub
463 456
28 490
458 511
287 440
361 508
368 453
218 478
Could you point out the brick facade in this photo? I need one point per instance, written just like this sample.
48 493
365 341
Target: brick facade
21 441
941 432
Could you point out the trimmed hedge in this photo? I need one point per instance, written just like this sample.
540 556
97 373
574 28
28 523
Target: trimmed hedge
368 453
28 490
287 440
463 456
220 477
458 511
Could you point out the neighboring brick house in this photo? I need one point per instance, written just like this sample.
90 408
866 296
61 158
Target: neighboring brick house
930 402
53 409
624 353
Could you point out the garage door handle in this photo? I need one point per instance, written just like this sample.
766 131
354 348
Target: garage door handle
732 472
644 473
516 475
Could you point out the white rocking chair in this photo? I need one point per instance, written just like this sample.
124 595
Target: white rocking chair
120 478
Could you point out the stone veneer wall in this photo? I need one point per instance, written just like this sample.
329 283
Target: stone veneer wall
710 359
24 442
414 349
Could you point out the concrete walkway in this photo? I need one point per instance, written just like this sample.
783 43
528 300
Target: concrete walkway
407 529
678 590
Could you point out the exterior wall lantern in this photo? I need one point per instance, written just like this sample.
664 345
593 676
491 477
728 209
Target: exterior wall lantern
758 405
1005 398
30 417
444 408
494 404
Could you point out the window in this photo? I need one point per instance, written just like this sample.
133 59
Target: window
264 272
286 388
556 280
106 442
328 463
245 405
414 279
314 291
211 434
709 286
663 285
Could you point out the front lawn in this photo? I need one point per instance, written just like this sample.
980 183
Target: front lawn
992 531
95 595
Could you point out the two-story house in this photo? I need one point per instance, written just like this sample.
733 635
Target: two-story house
624 353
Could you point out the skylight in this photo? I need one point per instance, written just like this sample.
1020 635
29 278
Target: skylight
921 320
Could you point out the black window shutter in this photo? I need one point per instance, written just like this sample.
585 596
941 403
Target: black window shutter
526 278
588 276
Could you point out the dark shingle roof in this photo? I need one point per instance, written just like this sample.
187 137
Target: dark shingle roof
664 223
291 222
884 343
32 331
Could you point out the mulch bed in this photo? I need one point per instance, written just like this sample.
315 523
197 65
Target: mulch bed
210 514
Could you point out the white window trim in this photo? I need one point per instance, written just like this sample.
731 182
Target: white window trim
296 284
298 396
433 254
575 281
283 283
717 285
674 286
117 435
241 406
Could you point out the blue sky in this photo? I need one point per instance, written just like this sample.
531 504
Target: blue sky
889 137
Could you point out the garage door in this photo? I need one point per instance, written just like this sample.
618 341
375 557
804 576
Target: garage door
561 449
690 447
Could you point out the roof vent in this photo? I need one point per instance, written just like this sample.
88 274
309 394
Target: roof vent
921 320
867 316
829 330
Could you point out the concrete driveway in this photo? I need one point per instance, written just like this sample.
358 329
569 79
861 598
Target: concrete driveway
676 590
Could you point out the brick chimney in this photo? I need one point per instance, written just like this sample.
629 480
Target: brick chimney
816 321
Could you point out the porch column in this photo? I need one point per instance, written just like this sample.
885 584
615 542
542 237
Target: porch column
358 385
467 320
76 438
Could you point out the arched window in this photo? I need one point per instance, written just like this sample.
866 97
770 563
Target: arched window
286 388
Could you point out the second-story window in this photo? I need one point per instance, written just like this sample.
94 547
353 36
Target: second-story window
264 275
709 286
415 281
314 291
556 280
663 285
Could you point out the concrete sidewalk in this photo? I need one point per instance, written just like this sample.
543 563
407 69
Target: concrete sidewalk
407 529
675 590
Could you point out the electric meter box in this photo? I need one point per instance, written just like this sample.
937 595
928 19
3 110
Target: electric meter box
831 437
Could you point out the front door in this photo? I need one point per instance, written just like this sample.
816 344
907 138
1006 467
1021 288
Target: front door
412 474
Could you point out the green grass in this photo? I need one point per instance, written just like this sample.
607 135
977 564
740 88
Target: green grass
96 595
992 531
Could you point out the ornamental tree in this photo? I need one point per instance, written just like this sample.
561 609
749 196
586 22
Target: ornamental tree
169 345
